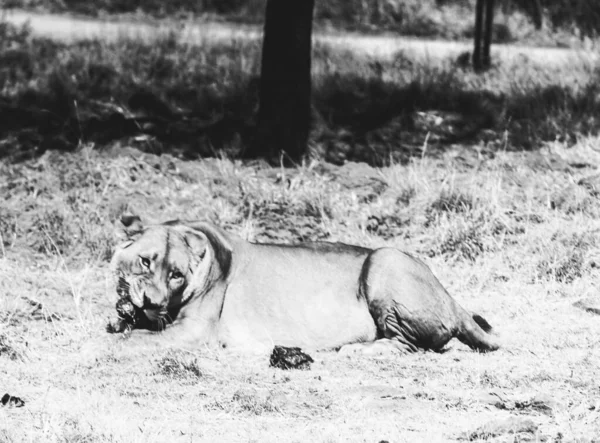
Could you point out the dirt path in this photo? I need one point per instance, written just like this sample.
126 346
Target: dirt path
68 28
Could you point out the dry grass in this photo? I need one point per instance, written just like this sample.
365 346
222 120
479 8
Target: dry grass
487 225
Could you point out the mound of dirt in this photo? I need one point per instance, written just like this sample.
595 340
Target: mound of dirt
290 358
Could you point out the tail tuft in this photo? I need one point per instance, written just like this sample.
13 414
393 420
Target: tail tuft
482 323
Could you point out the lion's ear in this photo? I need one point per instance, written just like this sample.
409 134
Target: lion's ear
128 227
199 234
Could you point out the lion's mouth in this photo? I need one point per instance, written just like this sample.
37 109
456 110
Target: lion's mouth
159 318
155 314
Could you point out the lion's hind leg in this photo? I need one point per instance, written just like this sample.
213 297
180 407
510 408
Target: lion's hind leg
413 330
400 335
408 303
431 327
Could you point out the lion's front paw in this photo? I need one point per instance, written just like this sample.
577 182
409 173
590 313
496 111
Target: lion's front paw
118 326
351 349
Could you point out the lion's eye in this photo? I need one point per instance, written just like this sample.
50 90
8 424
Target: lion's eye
145 262
176 275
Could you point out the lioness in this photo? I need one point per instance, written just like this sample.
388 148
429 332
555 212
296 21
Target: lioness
215 289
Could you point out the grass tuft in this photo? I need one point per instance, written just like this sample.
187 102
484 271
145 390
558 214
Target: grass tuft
254 403
180 366
565 259
462 241
8 227
386 226
11 348
50 233
451 201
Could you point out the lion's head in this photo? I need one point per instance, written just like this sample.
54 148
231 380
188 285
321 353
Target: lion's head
161 267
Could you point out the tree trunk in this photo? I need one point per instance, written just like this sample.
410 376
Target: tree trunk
484 23
285 82
478 34
487 36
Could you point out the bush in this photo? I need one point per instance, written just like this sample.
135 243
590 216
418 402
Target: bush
583 15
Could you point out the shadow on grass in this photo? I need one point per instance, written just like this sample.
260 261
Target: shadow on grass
201 101
554 113
377 121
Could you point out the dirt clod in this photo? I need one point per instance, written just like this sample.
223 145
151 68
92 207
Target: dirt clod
10 400
290 358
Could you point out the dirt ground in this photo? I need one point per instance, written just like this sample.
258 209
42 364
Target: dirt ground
512 238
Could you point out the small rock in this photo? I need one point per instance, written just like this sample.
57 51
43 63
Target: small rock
290 358
10 400
511 425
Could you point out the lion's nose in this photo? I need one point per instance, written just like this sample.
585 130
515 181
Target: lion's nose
148 304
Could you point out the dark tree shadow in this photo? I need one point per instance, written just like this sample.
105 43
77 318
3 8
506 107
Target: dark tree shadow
195 102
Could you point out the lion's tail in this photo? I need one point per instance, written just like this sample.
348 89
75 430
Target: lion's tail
475 333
